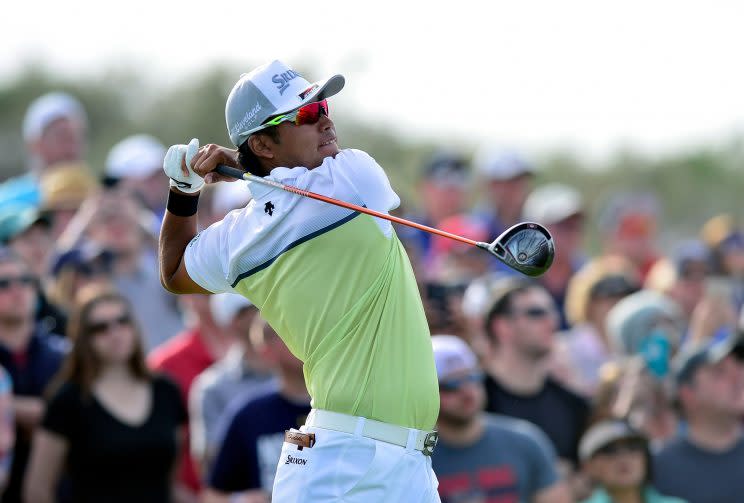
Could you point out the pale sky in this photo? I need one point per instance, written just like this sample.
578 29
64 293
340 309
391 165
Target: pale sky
590 76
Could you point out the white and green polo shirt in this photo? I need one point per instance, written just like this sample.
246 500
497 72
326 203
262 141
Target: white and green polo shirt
335 284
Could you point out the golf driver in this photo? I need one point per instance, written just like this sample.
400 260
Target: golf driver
526 247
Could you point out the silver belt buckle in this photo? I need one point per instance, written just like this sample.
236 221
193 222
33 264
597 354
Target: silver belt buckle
430 441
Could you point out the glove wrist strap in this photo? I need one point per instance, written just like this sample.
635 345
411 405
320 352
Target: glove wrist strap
182 205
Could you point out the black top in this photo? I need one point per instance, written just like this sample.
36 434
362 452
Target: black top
112 461
560 413
30 371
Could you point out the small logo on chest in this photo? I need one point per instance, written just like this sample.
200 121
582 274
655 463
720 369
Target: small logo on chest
269 208
295 461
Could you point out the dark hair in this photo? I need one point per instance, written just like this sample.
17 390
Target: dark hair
504 292
248 160
82 365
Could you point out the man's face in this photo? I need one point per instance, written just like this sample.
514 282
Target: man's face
461 396
17 293
533 320
508 196
305 145
719 388
34 245
63 140
567 234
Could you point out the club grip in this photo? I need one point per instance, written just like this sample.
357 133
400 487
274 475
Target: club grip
225 170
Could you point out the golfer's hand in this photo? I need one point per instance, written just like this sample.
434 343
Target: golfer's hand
177 165
209 157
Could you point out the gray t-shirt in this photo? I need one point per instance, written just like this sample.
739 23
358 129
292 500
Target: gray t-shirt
684 470
512 461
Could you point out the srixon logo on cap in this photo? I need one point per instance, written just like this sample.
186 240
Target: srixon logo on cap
282 80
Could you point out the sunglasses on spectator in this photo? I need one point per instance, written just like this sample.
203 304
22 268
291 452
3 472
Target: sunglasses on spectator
455 383
307 114
534 312
629 445
6 282
104 326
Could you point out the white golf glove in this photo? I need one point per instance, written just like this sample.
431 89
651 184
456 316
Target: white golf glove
172 167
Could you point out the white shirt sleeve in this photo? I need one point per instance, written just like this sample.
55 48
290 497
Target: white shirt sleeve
369 179
207 257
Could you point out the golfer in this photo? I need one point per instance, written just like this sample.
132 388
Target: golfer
335 284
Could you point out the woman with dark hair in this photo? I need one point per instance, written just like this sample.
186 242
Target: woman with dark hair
617 459
112 425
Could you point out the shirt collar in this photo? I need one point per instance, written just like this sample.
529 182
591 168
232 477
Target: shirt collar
282 175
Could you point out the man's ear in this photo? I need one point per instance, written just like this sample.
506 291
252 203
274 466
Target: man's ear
261 146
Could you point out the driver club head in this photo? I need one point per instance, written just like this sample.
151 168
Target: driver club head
526 247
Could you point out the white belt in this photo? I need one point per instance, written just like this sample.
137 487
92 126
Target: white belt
423 441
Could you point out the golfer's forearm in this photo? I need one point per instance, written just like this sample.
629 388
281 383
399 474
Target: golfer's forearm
175 234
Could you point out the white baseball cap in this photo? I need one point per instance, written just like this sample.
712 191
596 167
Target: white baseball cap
497 163
137 156
48 108
269 90
452 355
552 203
225 306
229 196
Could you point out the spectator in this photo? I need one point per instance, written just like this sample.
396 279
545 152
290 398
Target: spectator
187 355
29 354
27 232
115 220
136 163
73 270
561 209
239 372
481 457
683 276
54 130
7 427
591 293
441 189
109 422
520 327
63 191
618 460
507 179
628 227
251 446
706 465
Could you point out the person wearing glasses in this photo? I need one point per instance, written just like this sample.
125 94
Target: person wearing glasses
111 427
520 328
618 460
30 355
336 285
484 457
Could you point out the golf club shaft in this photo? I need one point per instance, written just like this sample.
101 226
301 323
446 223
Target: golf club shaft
240 174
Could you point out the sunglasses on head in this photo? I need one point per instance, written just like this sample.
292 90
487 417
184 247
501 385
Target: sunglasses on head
306 114
455 383
627 445
534 312
103 326
7 282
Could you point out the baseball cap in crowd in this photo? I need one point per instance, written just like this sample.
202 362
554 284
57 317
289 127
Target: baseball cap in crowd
452 356
47 109
66 186
269 90
229 196
137 156
711 350
649 324
630 214
225 306
87 258
612 286
495 163
462 225
553 203
604 433
446 168
14 220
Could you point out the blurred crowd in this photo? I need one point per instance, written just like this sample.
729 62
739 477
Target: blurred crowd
618 376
